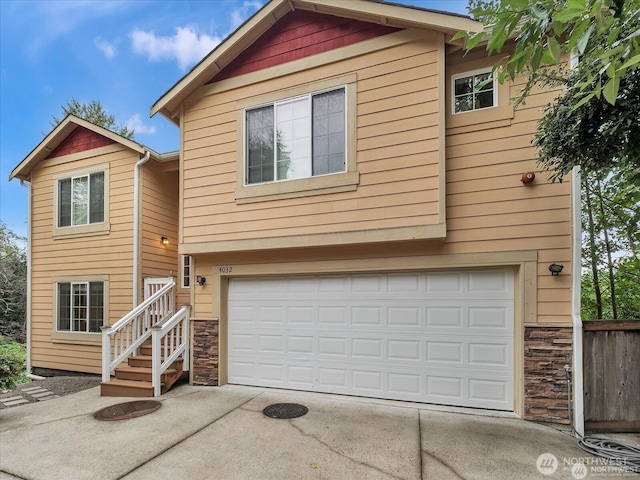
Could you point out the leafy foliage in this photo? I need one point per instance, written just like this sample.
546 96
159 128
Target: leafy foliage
598 136
13 284
594 123
93 112
12 364
605 33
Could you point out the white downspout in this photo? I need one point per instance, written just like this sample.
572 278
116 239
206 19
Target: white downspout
136 227
28 312
576 275
576 261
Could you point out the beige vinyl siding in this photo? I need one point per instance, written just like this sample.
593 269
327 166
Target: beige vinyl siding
159 214
489 209
76 257
399 185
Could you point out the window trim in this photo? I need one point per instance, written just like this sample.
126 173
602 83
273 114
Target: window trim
90 228
308 98
473 73
299 187
485 118
186 277
79 338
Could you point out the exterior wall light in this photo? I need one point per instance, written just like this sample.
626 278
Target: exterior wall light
165 240
200 280
555 269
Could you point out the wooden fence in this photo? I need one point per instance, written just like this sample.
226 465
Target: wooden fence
612 375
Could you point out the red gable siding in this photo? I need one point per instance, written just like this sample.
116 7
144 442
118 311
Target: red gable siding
80 140
297 35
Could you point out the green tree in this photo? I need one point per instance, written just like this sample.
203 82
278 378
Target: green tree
13 284
537 37
597 135
611 245
93 112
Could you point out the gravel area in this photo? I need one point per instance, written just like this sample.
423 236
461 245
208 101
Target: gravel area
57 386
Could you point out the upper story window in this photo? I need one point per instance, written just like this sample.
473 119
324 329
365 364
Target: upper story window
80 307
298 137
473 91
81 200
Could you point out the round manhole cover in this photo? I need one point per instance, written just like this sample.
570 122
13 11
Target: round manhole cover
285 410
122 411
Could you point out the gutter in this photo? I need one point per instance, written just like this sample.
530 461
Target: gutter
28 312
136 226
576 261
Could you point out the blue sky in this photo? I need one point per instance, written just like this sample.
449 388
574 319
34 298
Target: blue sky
123 53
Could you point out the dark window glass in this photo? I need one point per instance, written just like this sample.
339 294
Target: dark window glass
329 132
260 149
96 306
64 203
64 306
96 189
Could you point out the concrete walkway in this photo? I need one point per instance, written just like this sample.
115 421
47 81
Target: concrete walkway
221 433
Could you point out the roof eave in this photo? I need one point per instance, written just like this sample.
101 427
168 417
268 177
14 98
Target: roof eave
384 13
69 123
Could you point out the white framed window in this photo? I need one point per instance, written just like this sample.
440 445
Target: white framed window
80 306
473 91
299 137
185 271
81 200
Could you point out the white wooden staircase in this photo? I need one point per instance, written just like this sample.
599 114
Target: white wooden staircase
152 339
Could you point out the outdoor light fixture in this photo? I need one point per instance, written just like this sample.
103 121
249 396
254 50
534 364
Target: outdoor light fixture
200 280
165 240
555 269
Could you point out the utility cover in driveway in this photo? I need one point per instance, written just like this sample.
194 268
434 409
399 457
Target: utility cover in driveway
285 410
443 337
126 410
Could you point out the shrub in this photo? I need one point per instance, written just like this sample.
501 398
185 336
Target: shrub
12 364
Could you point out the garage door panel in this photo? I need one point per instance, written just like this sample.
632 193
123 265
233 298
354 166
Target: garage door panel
444 337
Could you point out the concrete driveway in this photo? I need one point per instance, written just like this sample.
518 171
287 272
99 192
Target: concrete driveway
221 433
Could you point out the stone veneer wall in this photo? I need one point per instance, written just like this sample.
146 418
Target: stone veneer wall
205 353
546 390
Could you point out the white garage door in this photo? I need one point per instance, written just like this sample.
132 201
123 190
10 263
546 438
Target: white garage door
443 338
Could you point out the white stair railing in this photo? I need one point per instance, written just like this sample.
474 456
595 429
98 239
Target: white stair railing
169 341
124 337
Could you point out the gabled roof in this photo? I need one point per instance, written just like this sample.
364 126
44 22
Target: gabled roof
374 11
60 133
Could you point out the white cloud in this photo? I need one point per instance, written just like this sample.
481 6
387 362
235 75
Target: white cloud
108 49
135 123
239 15
187 47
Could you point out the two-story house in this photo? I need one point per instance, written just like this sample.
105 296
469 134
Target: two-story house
346 214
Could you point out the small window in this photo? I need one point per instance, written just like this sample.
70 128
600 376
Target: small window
81 200
186 271
80 306
473 91
299 137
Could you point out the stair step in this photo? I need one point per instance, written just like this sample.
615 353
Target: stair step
144 361
140 373
126 388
